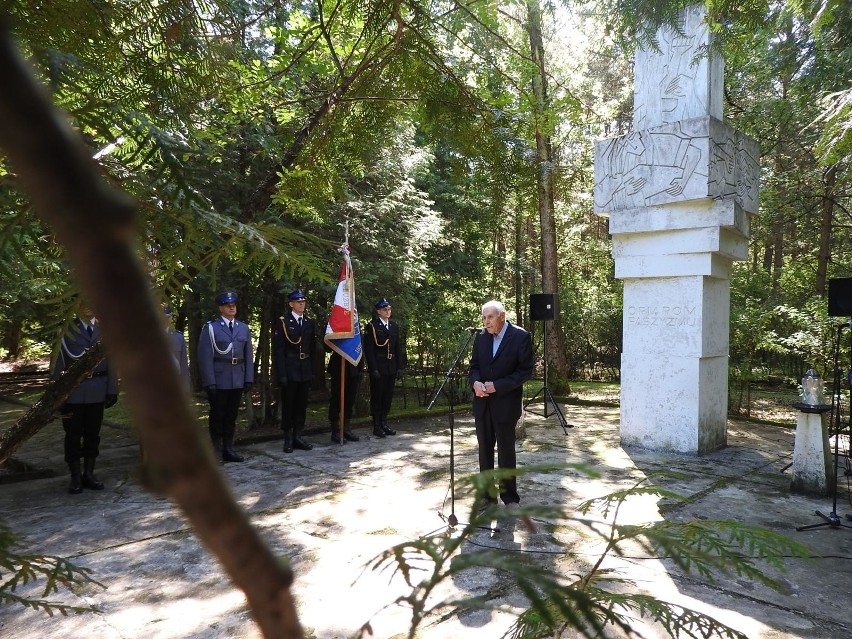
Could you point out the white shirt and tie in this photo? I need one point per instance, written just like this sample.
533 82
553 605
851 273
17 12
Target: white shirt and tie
498 338
90 325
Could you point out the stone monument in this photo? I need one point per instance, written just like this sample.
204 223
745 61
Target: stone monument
679 190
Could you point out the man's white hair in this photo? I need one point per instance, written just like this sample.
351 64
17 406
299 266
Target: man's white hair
494 304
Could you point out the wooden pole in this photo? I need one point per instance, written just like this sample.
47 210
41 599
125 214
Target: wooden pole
342 396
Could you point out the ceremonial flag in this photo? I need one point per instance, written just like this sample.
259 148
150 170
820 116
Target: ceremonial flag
343 333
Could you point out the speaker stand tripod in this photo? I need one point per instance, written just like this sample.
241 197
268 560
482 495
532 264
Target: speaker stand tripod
832 519
547 397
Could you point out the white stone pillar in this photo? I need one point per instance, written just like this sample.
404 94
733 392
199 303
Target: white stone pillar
812 470
679 190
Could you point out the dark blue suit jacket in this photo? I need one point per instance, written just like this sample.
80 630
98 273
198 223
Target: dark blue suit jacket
508 369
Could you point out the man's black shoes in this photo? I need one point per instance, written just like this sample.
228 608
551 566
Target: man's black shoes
230 455
301 444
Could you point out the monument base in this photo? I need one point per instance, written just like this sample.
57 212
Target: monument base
675 404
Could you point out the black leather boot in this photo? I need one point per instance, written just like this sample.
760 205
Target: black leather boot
217 448
228 452
349 435
301 443
288 440
76 485
89 480
387 429
377 428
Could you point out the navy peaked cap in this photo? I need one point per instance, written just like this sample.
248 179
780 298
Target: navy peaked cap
226 298
296 295
167 311
382 303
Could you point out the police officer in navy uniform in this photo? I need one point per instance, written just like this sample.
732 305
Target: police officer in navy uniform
294 345
386 360
226 368
177 342
83 411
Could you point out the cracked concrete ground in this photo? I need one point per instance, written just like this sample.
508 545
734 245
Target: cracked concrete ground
333 509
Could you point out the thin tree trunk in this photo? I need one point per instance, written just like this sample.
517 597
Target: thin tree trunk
777 254
825 229
557 356
95 224
517 278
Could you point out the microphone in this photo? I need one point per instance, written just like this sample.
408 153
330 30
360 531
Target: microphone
843 325
474 329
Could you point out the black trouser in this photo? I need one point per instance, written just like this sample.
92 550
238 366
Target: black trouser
294 406
82 430
381 395
222 422
491 430
350 390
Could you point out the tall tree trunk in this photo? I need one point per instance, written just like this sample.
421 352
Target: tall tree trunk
557 355
777 253
13 336
517 278
825 229
96 226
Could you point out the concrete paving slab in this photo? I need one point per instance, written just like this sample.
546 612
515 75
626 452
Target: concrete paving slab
331 510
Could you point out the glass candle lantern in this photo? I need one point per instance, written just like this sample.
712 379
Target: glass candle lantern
812 392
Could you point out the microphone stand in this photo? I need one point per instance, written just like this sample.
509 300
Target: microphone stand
452 520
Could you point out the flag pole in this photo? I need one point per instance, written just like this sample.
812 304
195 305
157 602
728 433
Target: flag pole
340 420
342 397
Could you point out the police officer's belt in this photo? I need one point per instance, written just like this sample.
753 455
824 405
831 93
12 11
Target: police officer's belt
99 374
230 360
299 355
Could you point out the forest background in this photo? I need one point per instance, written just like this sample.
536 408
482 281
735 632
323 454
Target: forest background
453 139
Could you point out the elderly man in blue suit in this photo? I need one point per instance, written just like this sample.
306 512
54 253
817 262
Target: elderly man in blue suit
83 411
226 369
500 363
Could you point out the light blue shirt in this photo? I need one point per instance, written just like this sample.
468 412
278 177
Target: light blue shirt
499 338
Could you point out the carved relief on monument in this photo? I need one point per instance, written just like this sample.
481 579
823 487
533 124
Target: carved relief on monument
682 79
689 160
734 166
650 167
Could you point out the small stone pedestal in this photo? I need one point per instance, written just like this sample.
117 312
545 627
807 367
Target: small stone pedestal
812 466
